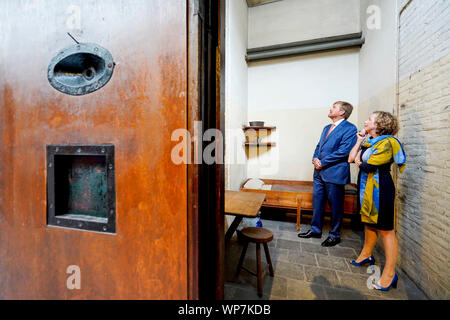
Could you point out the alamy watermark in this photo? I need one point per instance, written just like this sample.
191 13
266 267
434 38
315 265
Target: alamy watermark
373 279
74 280
373 21
209 147
73 21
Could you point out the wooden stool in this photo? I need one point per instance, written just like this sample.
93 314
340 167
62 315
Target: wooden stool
257 235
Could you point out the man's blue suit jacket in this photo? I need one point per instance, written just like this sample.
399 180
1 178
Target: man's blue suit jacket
333 153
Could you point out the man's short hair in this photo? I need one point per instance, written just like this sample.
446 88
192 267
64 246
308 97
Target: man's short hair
345 106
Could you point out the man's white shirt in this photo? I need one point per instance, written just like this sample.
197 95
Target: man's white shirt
336 124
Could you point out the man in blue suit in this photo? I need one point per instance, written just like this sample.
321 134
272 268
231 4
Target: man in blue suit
332 172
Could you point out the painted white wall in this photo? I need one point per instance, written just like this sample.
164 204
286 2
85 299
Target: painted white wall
300 82
377 79
295 95
296 20
236 98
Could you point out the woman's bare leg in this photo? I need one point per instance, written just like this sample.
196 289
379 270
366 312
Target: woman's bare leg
370 240
391 250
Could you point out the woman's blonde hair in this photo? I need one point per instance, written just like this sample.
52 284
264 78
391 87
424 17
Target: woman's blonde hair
387 124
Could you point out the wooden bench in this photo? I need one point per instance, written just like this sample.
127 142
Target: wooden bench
300 197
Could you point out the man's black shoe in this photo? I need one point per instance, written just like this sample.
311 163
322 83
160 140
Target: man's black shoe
309 234
331 242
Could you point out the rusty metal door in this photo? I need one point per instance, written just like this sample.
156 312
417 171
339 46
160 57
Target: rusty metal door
145 256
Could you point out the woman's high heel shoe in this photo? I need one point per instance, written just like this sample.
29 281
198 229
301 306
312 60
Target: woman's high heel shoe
393 284
370 260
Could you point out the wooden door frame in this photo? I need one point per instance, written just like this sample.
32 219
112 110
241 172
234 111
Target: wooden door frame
205 182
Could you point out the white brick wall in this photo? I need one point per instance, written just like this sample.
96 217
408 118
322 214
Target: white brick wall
424 34
423 216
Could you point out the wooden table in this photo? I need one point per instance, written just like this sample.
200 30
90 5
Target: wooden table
241 205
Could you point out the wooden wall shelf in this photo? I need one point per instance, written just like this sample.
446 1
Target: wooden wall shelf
256 142
258 128
260 144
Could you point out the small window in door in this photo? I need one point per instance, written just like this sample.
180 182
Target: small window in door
81 187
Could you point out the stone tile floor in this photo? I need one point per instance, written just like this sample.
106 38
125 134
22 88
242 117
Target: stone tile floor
304 270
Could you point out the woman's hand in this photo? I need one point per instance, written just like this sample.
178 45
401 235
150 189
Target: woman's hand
361 135
357 147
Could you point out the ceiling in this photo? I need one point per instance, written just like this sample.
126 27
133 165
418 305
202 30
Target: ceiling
254 3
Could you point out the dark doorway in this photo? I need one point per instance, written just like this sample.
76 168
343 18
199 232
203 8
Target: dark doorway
206 180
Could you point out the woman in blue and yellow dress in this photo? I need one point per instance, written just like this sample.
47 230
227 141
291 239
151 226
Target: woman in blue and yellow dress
374 157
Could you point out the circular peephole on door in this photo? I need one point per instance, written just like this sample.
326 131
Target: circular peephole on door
80 69
89 73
